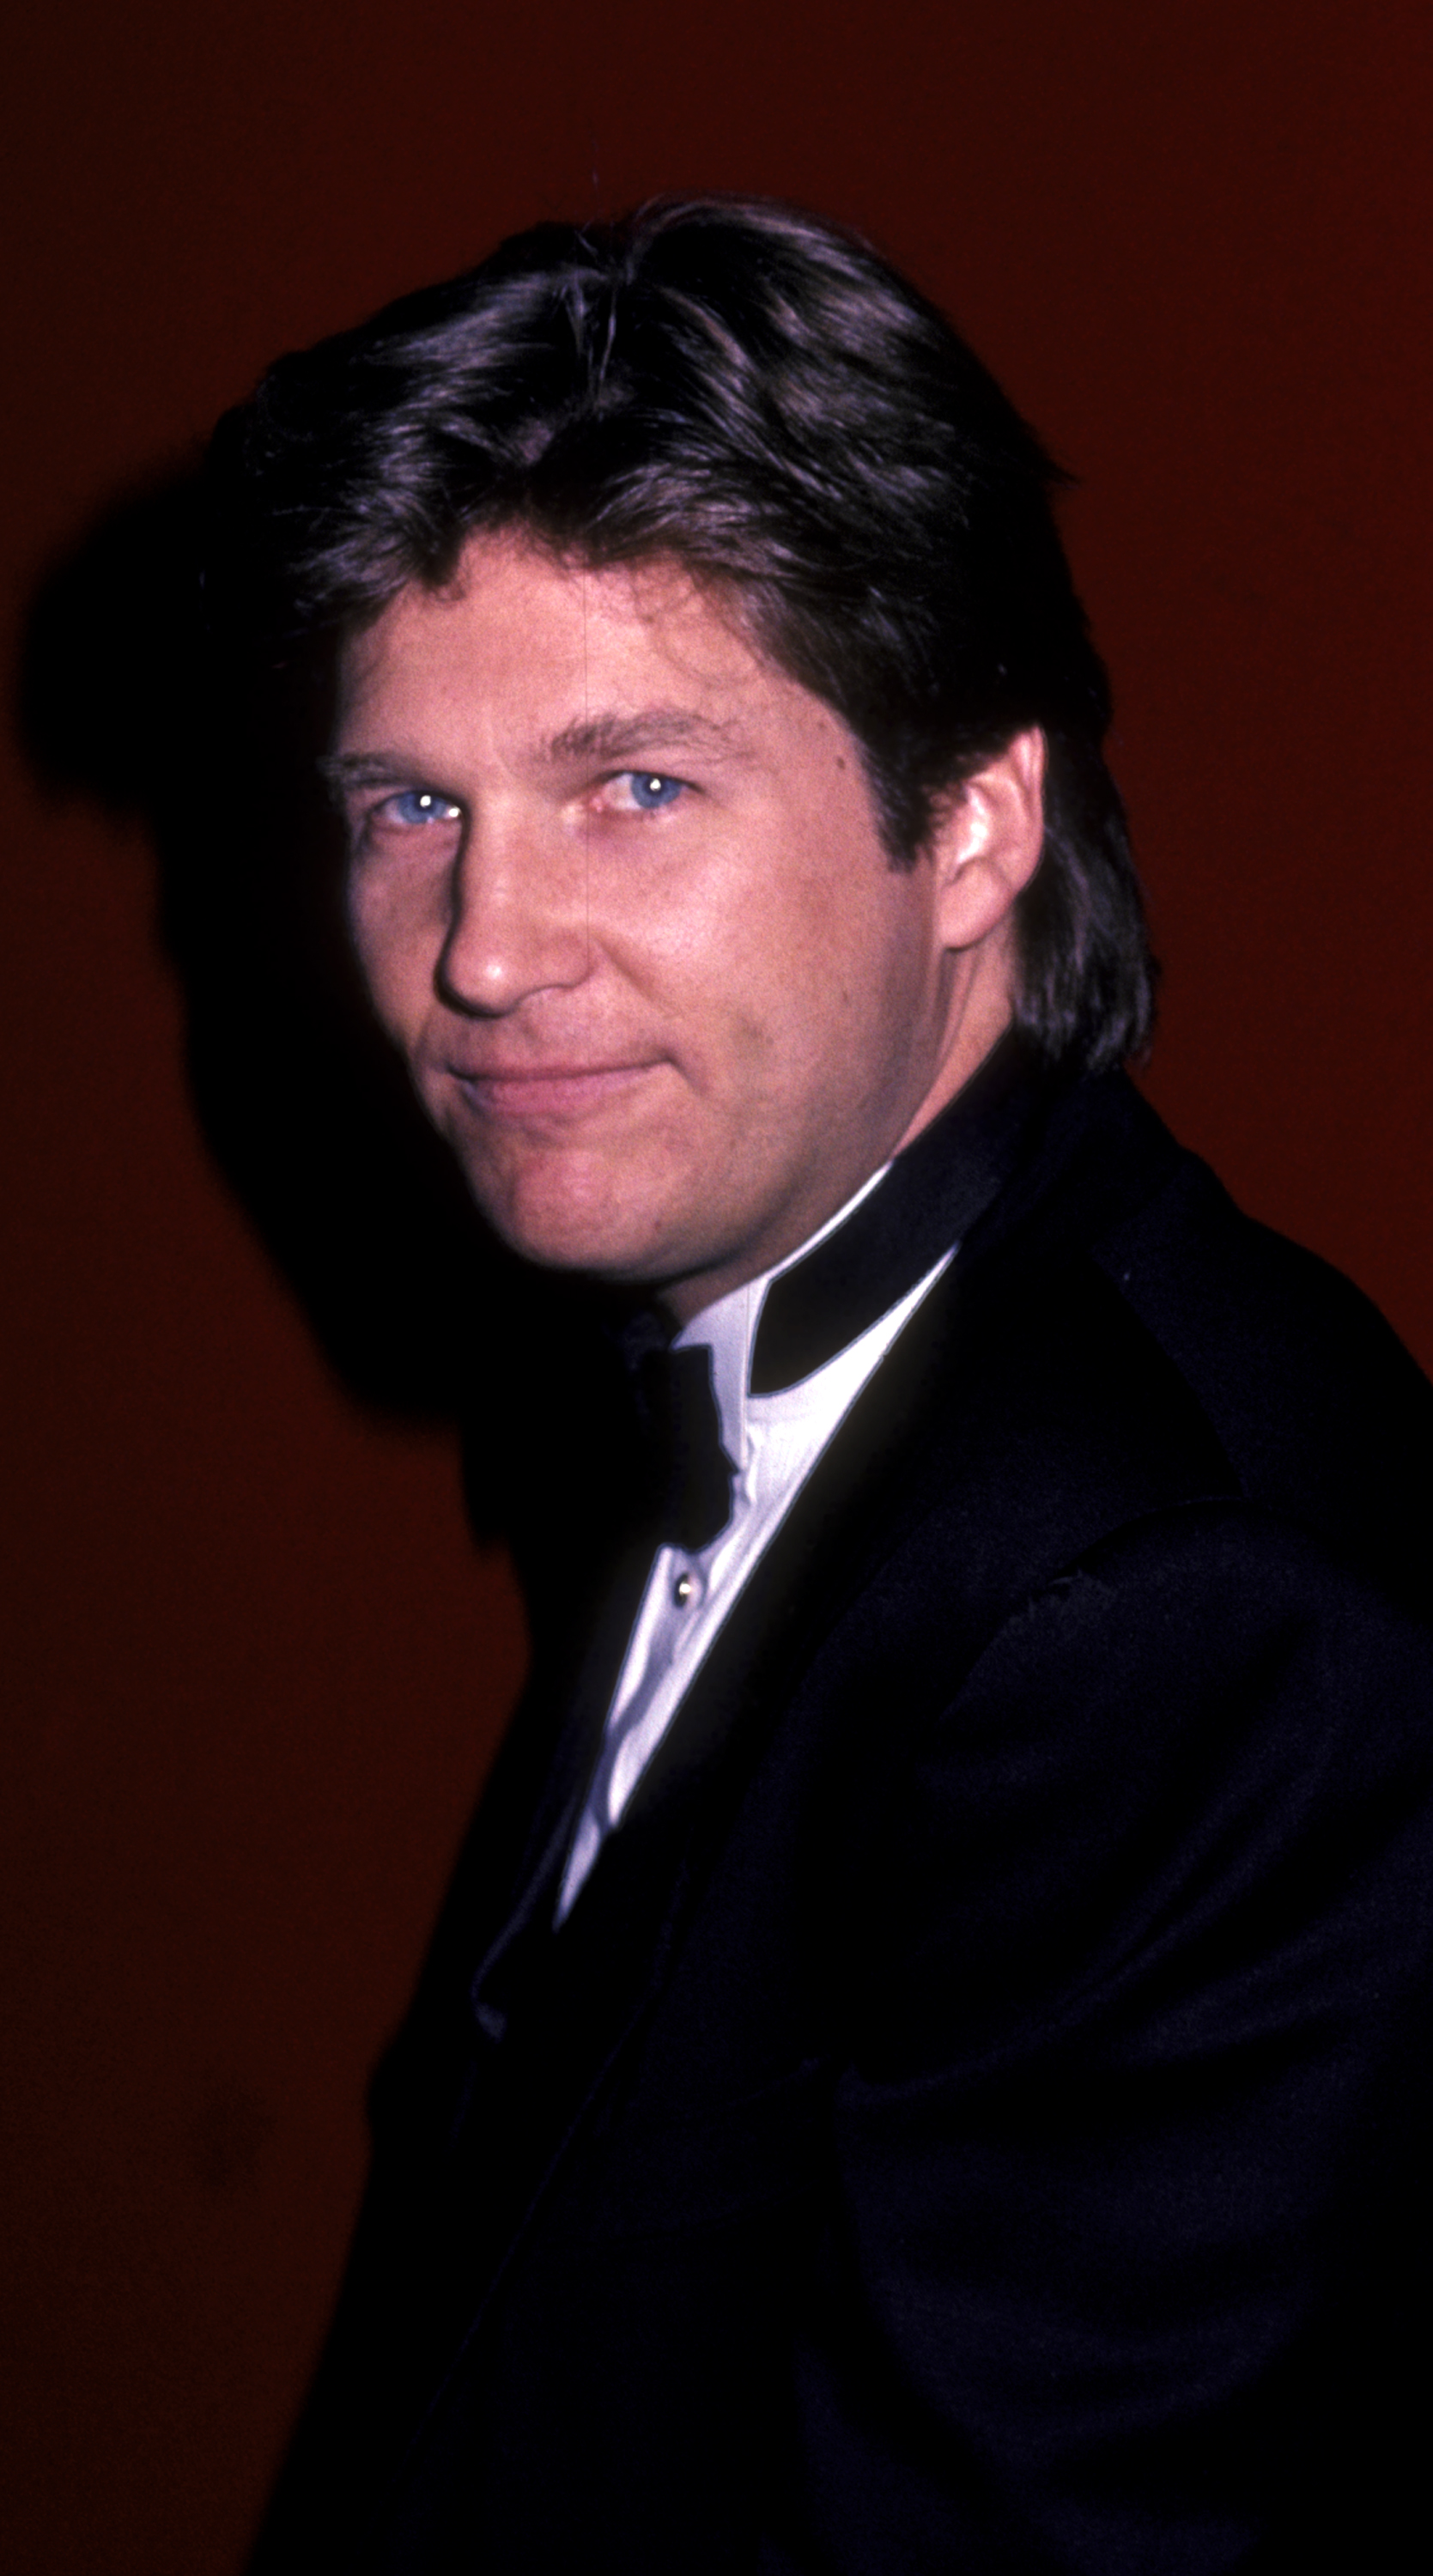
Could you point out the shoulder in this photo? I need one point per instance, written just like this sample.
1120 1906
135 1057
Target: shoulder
1135 1321
1206 1728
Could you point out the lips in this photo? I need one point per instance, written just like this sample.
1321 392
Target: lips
546 1091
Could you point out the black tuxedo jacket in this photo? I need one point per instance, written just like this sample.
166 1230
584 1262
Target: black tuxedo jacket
973 2118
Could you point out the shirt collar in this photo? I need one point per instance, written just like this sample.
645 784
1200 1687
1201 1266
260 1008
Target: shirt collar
778 1329
730 1325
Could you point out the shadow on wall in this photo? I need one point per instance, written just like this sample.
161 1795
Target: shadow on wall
304 1106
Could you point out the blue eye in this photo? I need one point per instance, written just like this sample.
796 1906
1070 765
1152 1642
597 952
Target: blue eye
420 805
650 791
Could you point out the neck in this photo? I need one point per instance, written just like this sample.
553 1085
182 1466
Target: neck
981 1014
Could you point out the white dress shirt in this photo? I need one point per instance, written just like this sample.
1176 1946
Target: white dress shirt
773 1442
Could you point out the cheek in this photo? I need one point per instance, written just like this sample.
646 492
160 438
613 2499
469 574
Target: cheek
753 929
847 969
397 928
862 1005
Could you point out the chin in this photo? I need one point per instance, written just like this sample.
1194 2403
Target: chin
577 1227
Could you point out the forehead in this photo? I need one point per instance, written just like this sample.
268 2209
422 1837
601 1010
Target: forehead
528 647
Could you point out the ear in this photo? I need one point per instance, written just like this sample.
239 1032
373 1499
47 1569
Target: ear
987 841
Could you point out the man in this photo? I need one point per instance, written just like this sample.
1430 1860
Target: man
922 2065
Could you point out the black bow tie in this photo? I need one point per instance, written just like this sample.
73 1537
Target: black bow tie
688 1474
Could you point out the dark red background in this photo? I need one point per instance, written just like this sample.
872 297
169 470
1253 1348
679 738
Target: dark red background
257 1668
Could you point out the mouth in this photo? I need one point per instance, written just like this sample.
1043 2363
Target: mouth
539 1092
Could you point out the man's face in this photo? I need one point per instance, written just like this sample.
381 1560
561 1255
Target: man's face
619 895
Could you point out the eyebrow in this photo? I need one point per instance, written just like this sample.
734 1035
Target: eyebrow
342 770
599 737
616 737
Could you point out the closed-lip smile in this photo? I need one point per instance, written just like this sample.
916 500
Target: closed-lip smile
545 1090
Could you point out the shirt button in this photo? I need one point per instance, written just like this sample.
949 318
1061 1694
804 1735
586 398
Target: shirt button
683 1589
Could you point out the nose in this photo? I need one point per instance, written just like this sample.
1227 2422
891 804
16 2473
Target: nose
518 916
